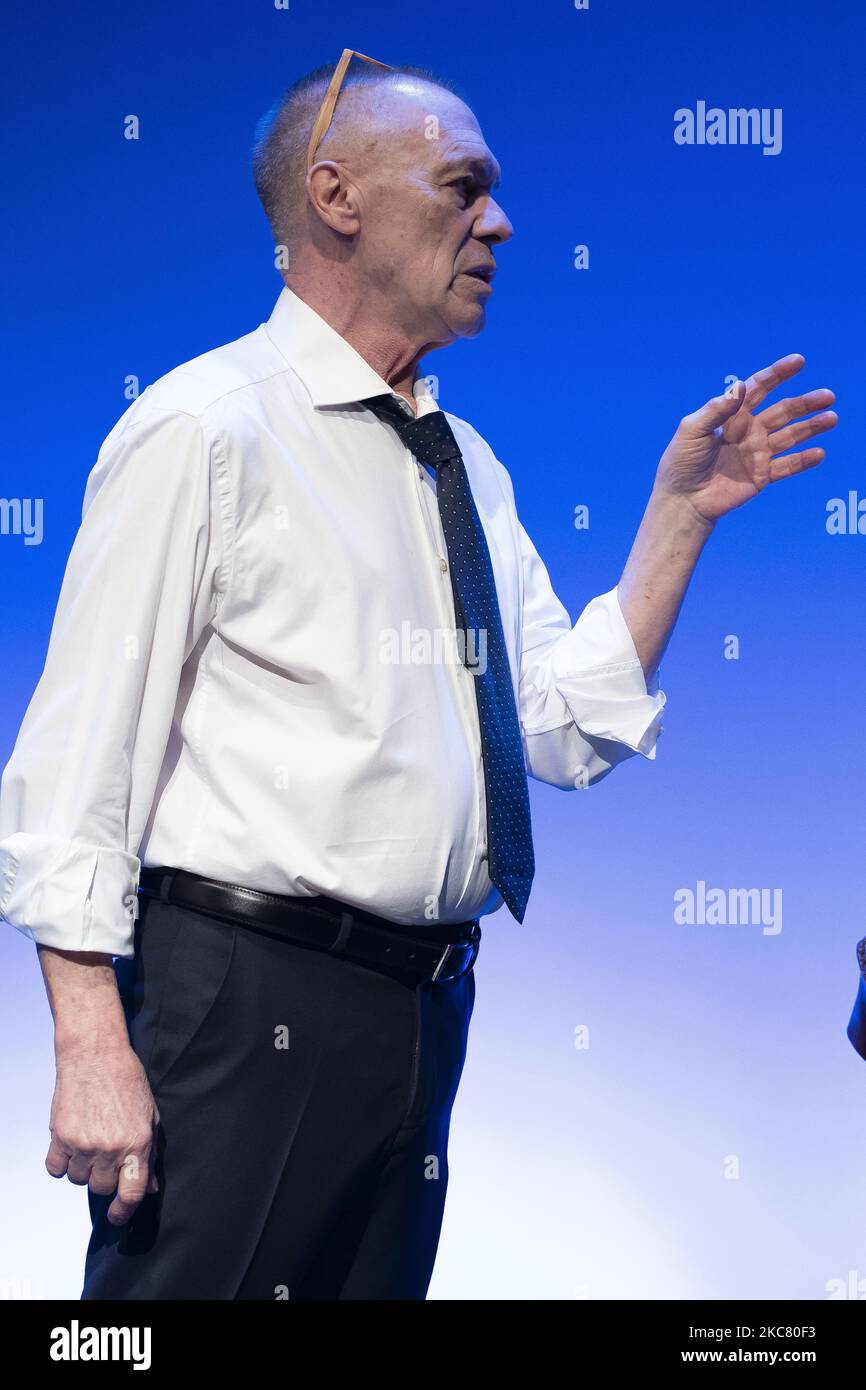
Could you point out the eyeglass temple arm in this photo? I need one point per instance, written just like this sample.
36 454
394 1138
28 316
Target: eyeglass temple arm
326 110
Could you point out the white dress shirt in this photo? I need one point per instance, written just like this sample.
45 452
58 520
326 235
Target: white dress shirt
221 693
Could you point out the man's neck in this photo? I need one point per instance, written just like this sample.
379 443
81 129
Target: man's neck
386 349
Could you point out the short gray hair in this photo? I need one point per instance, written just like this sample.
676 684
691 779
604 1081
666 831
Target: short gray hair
283 133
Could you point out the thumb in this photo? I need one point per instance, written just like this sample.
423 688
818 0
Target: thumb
717 411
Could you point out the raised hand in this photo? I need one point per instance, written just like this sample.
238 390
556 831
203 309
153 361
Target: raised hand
722 455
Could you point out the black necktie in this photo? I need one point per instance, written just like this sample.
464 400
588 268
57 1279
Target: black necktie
511 863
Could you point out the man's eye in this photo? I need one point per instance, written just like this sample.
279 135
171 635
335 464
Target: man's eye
467 189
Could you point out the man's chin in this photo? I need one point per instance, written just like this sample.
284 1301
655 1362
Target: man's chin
468 320
476 327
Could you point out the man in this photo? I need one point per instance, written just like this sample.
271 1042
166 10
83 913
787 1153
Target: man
258 1094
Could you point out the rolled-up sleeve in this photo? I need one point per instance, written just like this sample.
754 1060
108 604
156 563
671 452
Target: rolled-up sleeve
143 580
584 703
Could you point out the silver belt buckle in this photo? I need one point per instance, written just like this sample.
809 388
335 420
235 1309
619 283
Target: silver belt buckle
442 959
474 941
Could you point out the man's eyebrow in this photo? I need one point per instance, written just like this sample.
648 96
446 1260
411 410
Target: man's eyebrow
485 170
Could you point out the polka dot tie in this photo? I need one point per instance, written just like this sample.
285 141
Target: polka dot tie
510 859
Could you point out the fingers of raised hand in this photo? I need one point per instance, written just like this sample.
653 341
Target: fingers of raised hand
717 412
793 407
788 464
761 383
793 434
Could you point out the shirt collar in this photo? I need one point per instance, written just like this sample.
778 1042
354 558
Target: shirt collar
330 368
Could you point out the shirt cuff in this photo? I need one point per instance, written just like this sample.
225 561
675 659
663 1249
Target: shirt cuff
598 673
69 894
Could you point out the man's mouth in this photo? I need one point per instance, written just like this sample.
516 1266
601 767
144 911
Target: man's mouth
483 273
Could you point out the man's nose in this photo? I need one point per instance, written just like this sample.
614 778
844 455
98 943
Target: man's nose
492 224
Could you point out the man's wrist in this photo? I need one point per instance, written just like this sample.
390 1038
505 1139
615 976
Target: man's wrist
680 512
101 1031
85 1005
73 1045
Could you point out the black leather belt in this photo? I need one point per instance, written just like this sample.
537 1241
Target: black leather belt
325 924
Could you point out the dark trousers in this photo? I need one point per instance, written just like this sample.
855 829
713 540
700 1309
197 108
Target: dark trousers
304 1111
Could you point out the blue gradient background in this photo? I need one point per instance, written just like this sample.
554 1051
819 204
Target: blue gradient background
575 1173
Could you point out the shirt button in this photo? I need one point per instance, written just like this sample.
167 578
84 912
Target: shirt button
443 565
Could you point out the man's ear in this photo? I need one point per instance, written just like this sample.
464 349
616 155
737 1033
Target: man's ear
333 197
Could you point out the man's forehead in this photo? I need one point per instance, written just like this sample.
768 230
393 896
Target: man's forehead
457 145
467 152
446 129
